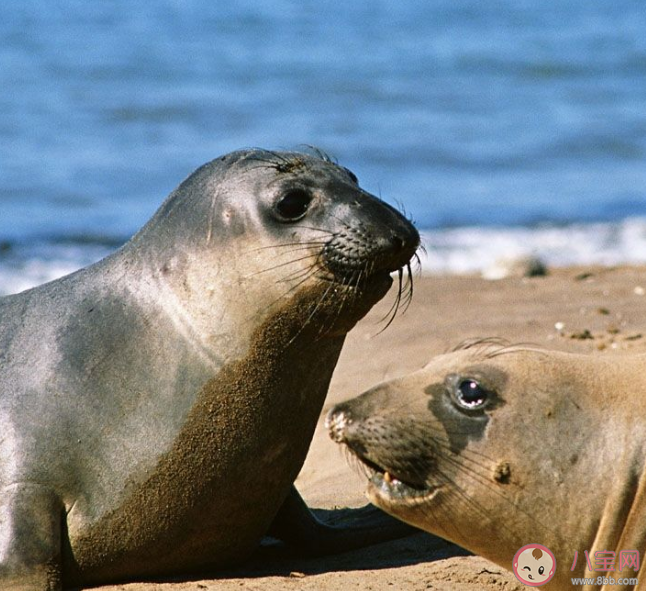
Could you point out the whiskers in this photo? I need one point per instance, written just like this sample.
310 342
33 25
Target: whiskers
490 347
345 290
286 162
298 262
356 465
342 282
405 289
462 474
293 261
403 296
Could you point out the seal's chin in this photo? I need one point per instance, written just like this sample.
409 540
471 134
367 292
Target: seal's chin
366 290
378 281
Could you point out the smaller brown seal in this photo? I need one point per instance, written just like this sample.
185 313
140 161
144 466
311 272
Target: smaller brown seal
496 447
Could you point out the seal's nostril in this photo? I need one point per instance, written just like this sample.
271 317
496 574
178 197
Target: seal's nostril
398 243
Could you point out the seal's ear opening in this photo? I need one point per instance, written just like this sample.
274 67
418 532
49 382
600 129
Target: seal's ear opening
292 205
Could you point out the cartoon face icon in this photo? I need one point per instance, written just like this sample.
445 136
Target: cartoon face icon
534 565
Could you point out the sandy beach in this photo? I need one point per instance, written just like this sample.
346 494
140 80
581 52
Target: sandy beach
599 311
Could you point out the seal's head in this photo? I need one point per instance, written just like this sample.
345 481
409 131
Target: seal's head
262 227
494 447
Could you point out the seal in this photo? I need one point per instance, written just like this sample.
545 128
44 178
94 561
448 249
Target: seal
496 448
157 406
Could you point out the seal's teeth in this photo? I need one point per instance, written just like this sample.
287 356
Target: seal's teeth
390 479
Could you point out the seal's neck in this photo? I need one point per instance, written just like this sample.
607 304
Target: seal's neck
622 526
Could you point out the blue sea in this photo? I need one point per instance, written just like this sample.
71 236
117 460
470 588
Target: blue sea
504 127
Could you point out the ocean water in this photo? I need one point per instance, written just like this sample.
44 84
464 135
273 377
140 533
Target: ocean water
504 127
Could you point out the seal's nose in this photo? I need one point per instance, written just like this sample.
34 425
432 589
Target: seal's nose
337 421
379 239
403 242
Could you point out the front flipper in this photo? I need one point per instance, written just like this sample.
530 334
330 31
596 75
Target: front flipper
30 538
298 527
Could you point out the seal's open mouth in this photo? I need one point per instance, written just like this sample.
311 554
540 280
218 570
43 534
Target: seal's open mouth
395 487
393 477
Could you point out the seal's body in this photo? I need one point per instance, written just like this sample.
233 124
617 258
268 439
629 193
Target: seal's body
156 407
497 448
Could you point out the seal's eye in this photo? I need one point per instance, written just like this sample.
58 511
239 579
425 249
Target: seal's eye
471 395
292 206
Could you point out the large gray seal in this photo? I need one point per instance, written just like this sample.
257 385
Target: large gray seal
156 407
496 448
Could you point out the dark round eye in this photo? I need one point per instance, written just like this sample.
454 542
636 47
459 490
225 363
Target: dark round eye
293 205
471 395
541 570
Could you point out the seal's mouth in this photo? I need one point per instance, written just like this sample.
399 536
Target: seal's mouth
362 289
387 485
370 285
392 477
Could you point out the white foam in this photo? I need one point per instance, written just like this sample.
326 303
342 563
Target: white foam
474 249
25 268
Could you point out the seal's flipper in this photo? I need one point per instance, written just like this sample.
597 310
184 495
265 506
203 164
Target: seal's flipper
30 538
348 529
